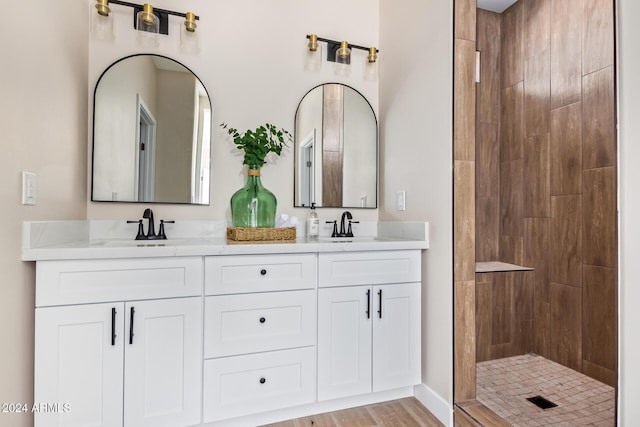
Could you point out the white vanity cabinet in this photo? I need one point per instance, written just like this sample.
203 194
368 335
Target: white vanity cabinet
259 334
368 322
213 333
111 357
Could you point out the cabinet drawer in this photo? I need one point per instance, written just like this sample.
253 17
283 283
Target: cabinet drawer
244 385
238 324
101 280
368 268
259 273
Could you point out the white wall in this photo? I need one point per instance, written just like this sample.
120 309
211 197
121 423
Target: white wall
416 44
252 64
117 104
629 226
43 128
309 120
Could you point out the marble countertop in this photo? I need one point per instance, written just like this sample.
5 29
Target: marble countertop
65 240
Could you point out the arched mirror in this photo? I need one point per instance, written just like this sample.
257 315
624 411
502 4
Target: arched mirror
151 133
336 149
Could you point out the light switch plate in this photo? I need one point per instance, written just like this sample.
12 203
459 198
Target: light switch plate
401 200
29 188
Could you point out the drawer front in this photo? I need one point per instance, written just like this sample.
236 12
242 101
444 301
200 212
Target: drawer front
89 281
239 324
368 268
259 273
244 385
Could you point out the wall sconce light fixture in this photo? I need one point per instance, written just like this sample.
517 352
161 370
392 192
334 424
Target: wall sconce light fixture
371 65
148 26
339 52
102 22
188 36
313 59
149 21
343 59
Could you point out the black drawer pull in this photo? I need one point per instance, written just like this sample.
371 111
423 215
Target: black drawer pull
263 380
113 326
368 303
262 320
133 311
380 303
263 272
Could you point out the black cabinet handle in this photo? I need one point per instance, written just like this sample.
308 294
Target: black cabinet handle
263 272
380 303
368 303
113 326
133 311
262 320
263 380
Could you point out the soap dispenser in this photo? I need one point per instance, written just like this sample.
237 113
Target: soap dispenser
313 223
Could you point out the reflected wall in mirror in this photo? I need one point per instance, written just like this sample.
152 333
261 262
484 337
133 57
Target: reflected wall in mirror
336 149
151 133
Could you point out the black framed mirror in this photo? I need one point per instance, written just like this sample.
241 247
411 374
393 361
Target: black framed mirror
336 149
151 133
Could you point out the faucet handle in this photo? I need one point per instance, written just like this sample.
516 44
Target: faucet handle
161 234
335 227
140 235
349 230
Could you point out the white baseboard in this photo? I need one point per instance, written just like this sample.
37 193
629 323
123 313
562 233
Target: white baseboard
439 407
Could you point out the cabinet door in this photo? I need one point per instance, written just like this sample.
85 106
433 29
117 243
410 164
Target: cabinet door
396 336
163 362
344 341
78 365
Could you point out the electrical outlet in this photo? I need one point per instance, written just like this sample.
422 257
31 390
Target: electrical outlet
401 199
29 188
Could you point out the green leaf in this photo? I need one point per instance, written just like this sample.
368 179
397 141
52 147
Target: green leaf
258 143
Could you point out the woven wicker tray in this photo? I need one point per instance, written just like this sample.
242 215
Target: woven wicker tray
261 234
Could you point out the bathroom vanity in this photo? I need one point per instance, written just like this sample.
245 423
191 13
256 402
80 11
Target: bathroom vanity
201 331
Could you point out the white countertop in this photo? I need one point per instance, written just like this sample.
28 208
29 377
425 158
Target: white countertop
60 240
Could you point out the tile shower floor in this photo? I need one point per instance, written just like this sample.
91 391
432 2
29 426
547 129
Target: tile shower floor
503 385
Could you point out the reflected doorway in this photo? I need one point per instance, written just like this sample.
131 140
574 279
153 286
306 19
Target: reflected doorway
146 152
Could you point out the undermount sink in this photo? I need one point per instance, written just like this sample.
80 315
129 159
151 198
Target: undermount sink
356 239
132 243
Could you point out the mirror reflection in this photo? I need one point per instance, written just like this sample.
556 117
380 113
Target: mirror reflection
336 149
151 133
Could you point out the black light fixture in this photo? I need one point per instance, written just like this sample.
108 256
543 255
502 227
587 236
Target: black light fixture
340 52
147 13
333 46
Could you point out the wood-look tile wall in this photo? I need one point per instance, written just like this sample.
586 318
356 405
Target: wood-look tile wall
464 199
488 113
547 182
332 145
504 314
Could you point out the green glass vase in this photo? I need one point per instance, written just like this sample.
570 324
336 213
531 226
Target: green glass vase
253 205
